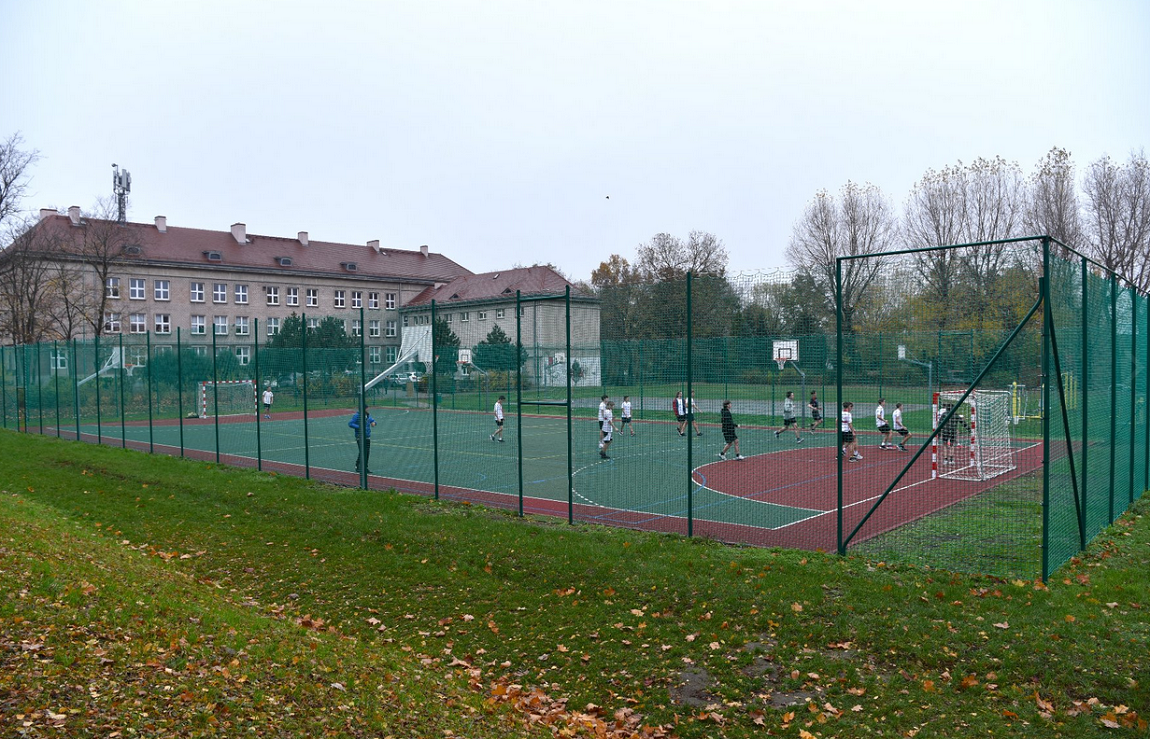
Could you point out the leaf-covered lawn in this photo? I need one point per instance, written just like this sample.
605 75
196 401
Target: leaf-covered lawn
148 596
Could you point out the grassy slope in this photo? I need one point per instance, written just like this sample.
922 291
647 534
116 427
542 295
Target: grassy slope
165 597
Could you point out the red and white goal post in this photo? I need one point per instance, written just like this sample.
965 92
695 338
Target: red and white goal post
229 397
989 451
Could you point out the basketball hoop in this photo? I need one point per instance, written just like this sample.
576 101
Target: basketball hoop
782 362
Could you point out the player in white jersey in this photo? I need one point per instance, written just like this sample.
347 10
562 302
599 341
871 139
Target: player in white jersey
899 428
847 431
625 422
881 424
498 420
607 427
599 419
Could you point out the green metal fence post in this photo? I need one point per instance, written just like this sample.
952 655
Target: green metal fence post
434 405
690 419
1044 290
76 389
1133 386
99 413
570 449
1113 390
256 374
1146 402
3 388
216 397
642 405
1084 369
179 384
303 366
151 420
841 546
362 382
123 409
519 391
40 388
55 380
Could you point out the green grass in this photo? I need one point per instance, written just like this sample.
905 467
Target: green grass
153 596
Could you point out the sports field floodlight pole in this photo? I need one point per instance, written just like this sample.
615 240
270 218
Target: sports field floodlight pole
434 405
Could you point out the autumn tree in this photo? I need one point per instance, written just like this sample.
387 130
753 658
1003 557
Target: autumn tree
859 221
1053 208
1117 208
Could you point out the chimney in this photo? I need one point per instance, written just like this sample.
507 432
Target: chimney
162 224
47 212
423 250
302 235
74 214
240 233
374 244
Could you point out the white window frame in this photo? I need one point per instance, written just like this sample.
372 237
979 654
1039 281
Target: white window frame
312 297
242 326
111 322
243 355
356 299
199 326
481 315
312 323
163 323
272 295
391 330
339 299
241 294
373 301
162 290
392 353
465 316
137 288
292 296
499 313
373 355
447 318
356 327
196 292
220 325
373 328
273 326
219 292
389 301
138 323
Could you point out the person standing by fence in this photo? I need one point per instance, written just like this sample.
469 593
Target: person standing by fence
366 426
269 398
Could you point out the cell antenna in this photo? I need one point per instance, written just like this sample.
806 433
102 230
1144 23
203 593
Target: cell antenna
121 186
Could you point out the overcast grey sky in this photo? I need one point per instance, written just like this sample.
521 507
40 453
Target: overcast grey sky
496 131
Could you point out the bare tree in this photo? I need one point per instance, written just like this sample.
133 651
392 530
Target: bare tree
666 257
861 221
72 298
1053 208
25 286
1117 205
994 210
99 243
14 165
935 215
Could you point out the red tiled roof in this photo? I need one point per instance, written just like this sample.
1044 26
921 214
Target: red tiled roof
186 246
495 286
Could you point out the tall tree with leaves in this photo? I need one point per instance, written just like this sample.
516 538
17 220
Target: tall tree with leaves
496 352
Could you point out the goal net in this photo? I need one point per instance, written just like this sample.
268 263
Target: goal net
977 434
228 398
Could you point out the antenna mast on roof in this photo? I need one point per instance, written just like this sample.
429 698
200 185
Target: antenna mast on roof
121 186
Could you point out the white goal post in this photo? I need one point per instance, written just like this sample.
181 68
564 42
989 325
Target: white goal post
235 397
978 432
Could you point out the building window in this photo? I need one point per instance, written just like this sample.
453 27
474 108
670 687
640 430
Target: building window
220 325
196 290
136 289
162 289
482 315
111 322
447 318
373 329
273 326
405 321
312 297
356 327
219 293
200 351
137 323
389 301
137 355
163 323
272 294
339 299
59 359
392 353
199 325
241 325
244 354
112 288
498 313
465 316
356 299
373 301
373 354
313 323
241 294
391 330
293 296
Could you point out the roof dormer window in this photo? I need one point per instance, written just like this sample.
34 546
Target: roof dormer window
214 256
284 261
350 266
